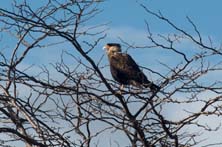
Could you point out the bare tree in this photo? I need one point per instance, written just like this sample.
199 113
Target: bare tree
76 104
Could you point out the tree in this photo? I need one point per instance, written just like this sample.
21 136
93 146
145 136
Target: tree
75 103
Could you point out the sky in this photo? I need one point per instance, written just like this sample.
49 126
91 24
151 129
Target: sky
206 14
127 20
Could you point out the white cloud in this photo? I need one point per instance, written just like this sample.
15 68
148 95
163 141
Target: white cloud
146 57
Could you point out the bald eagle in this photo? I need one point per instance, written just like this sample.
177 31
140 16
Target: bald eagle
125 70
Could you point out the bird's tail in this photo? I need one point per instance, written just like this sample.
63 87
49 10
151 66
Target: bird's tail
153 87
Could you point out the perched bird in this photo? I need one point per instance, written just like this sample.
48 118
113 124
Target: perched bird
125 70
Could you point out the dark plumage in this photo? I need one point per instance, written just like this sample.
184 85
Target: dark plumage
125 70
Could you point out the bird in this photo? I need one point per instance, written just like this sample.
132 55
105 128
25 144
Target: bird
125 70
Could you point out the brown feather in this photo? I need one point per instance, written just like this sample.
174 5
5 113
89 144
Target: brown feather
125 70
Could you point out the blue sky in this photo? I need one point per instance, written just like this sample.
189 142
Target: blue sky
128 12
206 14
126 19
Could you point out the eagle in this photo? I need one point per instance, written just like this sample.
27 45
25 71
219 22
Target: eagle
125 70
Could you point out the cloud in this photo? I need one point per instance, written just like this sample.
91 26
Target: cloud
148 57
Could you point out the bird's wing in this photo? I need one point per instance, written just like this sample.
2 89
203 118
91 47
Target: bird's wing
125 70
127 67
130 64
124 63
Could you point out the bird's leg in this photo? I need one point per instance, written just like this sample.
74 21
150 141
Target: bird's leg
121 89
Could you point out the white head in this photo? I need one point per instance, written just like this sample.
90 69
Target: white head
112 48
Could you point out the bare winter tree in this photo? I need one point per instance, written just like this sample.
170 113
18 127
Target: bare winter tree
76 104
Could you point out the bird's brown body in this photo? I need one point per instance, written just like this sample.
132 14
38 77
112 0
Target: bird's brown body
125 70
